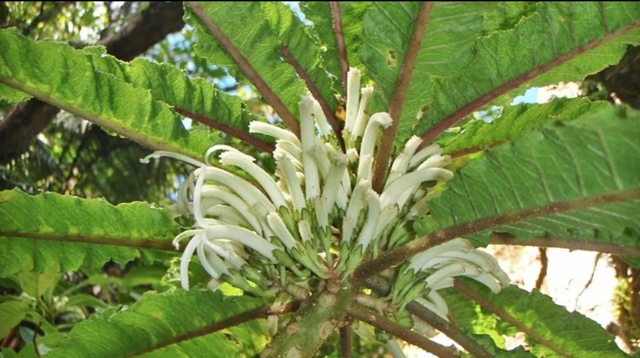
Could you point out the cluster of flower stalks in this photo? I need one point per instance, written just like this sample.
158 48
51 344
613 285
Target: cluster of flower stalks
319 217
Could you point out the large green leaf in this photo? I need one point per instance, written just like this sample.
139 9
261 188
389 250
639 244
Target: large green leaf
168 84
173 324
561 41
569 180
294 35
351 14
256 43
514 121
11 313
446 50
12 95
68 79
551 330
50 230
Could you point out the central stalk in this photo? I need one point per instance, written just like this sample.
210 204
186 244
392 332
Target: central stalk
313 323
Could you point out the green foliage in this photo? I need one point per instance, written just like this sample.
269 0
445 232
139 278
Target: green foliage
564 333
571 180
168 325
257 43
66 77
566 169
50 230
514 121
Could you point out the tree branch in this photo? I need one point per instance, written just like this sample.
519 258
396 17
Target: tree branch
247 69
346 340
603 247
382 287
363 314
405 252
399 94
460 114
22 125
342 48
331 117
544 266
261 312
243 136
496 310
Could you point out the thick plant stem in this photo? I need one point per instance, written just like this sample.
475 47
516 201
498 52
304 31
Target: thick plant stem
316 319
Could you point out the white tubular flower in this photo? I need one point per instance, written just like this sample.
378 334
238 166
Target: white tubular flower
332 187
281 231
423 328
290 148
321 119
496 270
433 308
204 260
220 147
265 180
182 235
438 301
246 237
470 257
353 97
212 191
163 153
227 214
487 280
373 213
243 188
365 166
322 213
183 196
321 154
352 155
369 139
421 259
445 283
356 203
186 258
225 252
197 198
345 189
219 266
273 131
410 181
435 161
394 348
305 230
386 216
401 163
279 152
452 270
307 133
423 154
361 117
293 183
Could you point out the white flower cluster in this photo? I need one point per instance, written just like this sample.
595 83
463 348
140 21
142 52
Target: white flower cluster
322 200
